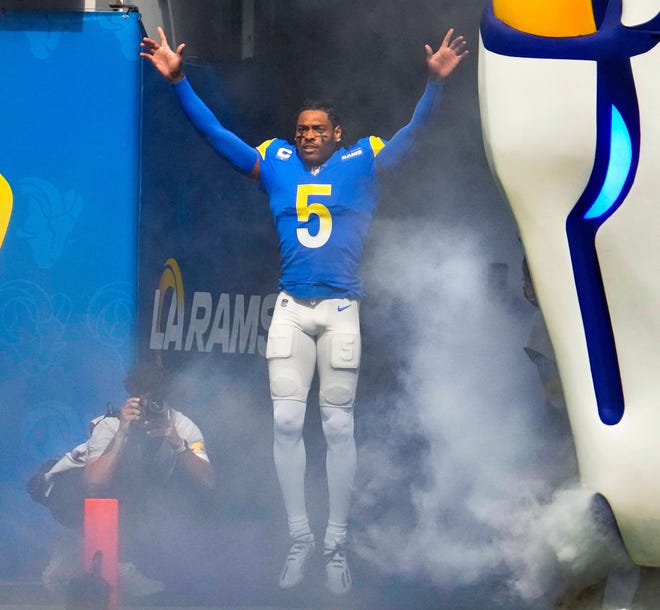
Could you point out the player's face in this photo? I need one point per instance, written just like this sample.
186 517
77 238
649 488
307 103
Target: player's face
316 138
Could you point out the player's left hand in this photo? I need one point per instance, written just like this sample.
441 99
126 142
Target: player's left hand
443 62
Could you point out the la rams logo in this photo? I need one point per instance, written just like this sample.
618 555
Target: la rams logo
228 323
171 279
6 205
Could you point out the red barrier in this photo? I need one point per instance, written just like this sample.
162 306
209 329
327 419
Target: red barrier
101 544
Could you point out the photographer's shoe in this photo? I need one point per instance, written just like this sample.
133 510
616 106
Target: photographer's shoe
337 574
60 570
135 584
296 561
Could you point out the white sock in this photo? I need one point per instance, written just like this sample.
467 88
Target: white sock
299 529
335 535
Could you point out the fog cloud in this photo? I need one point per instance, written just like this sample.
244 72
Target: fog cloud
493 490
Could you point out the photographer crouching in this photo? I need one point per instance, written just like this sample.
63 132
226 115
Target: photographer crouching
153 459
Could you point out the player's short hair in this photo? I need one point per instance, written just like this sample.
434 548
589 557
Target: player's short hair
323 105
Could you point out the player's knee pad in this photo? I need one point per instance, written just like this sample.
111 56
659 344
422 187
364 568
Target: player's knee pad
285 379
338 394
285 382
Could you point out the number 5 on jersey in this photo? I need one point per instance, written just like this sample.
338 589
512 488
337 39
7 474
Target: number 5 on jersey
6 204
305 209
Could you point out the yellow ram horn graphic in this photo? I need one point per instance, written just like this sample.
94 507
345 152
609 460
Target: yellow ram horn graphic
6 205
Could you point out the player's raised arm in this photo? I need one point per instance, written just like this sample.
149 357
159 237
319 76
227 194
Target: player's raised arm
170 64
444 61
441 64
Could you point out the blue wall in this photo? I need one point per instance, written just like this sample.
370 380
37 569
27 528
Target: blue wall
69 144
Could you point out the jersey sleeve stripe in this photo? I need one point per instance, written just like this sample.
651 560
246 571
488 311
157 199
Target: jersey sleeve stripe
376 144
264 146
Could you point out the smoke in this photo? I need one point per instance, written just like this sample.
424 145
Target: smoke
231 405
489 488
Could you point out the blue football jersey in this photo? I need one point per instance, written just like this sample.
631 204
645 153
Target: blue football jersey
321 220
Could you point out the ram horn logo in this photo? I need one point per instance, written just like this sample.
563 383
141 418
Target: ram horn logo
6 205
170 279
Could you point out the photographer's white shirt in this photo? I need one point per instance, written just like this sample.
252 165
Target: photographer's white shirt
105 430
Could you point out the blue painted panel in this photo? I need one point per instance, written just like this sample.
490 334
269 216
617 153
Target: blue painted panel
69 143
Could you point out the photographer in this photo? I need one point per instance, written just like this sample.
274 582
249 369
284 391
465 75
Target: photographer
151 458
146 438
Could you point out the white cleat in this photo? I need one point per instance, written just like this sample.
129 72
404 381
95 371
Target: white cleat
337 574
296 562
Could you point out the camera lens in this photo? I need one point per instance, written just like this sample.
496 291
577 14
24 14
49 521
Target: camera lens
155 408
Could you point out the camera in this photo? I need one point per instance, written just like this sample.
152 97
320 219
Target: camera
153 409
